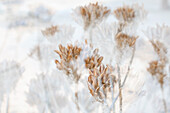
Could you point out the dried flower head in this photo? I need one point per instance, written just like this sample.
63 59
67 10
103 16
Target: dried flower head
124 40
50 31
67 54
160 32
92 14
93 61
125 13
156 68
130 13
159 48
99 82
59 34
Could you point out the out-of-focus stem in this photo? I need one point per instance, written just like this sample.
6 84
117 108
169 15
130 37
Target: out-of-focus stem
112 91
7 104
120 89
90 36
163 100
76 97
129 66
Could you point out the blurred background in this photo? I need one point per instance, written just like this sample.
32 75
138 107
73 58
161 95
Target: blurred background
21 22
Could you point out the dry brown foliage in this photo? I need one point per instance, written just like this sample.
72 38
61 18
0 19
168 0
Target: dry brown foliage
99 82
94 61
68 54
125 14
123 40
50 31
93 12
157 68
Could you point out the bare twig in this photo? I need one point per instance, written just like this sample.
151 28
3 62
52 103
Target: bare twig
129 66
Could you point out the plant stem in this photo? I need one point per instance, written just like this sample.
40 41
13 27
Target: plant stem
129 66
76 97
7 104
90 36
120 89
163 100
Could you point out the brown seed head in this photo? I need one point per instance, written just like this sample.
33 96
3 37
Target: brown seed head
67 54
156 69
93 61
123 40
50 31
125 14
93 13
159 48
99 82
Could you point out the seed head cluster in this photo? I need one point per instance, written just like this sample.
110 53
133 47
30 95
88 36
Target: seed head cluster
68 54
93 13
94 61
99 82
50 31
157 68
125 14
123 40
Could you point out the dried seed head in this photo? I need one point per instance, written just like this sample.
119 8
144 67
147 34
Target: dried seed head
94 61
125 14
123 40
156 68
128 14
159 48
67 55
99 82
50 31
92 14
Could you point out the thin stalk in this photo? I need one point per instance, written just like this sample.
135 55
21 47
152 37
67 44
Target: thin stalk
113 102
51 92
120 89
129 66
163 100
112 91
90 36
76 97
7 104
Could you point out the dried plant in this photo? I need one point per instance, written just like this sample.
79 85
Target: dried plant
72 63
50 31
158 67
44 92
125 13
68 55
101 83
92 14
124 40
43 55
93 61
10 73
59 34
129 14
160 32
